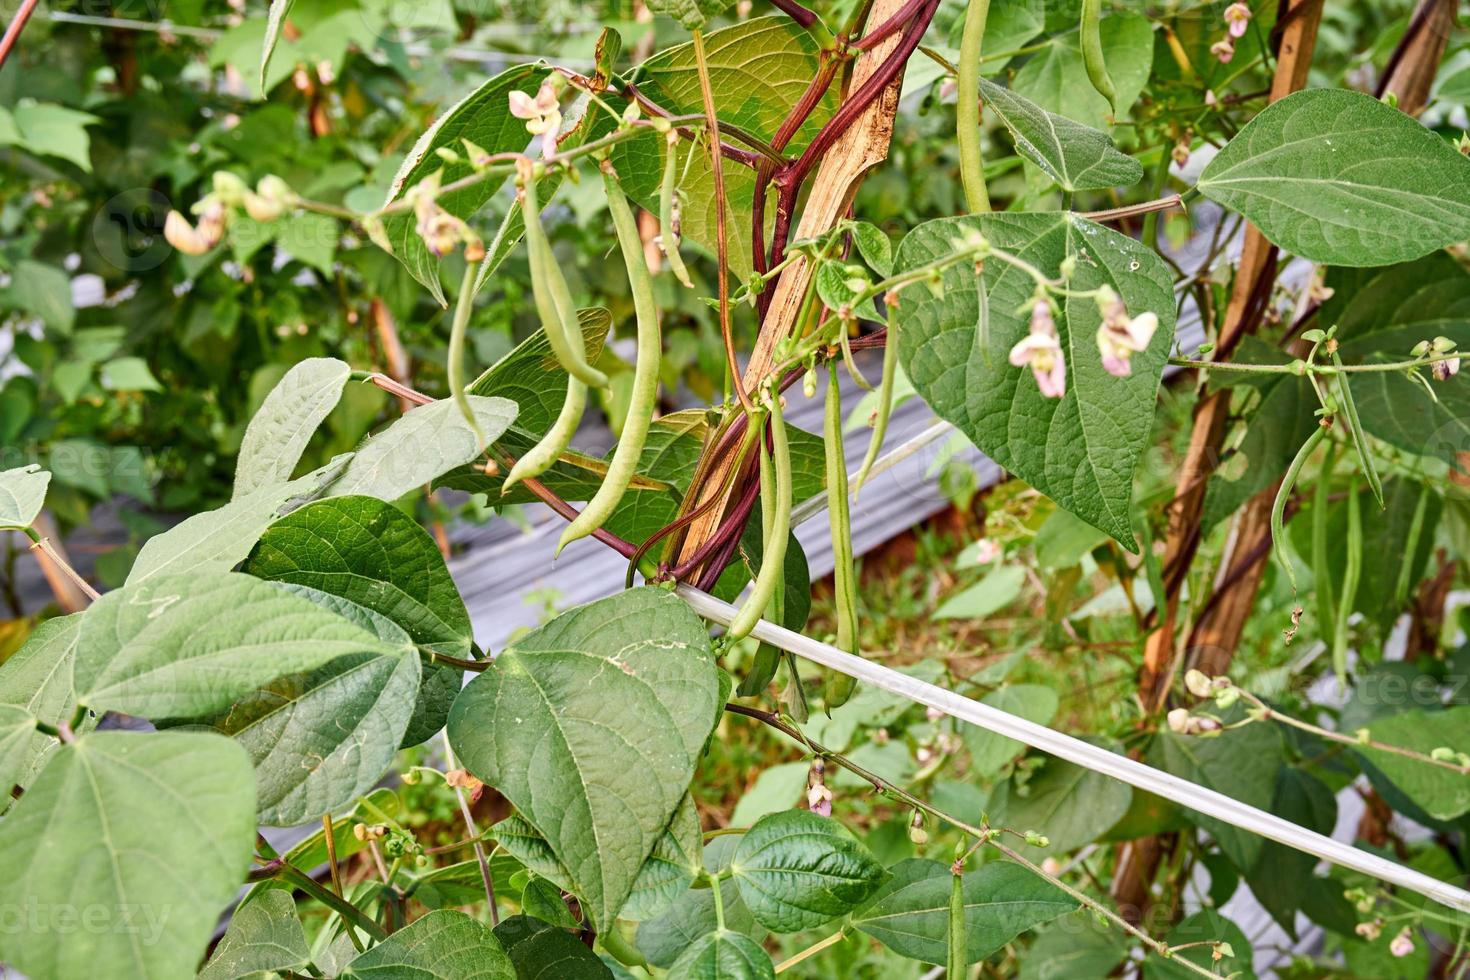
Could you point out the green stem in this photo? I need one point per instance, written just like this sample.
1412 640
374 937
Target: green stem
1278 507
967 112
812 950
353 915
620 949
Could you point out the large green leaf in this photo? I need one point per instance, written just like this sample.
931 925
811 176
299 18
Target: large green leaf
1242 764
541 951
989 751
1080 449
591 726
723 955
443 945
217 540
668 871
1056 79
482 117
1077 947
322 738
1442 793
531 377
1340 178
758 69
264 935
37 679
415 449
17 728
279 431
1068 804
910 915
664 938
798 870
22 494
151 833
1077 157
190 645
374 556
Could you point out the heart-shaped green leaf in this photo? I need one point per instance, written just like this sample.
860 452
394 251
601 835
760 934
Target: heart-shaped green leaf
723 955
910 914
280 429
1080 449
152 832
443 945
798 870
37 680
190 645
1340 178
1077 157
22 493
264 935
591 726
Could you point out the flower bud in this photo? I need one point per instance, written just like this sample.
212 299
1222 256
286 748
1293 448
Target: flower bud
917 833
229 188
1037 840
1198 684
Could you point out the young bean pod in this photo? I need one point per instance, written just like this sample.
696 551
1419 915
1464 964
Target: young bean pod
1278 507
767 657
668 220
1321 569
958 960
838 687
1351 574
454 369
553 299
1092 52
624 464
885 405
776 501
558 438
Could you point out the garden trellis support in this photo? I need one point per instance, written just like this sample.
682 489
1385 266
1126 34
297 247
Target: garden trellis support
1086 755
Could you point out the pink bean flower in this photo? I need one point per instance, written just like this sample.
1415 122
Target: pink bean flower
1042 351
1121 336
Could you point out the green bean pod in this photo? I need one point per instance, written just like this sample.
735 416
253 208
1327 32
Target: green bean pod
1278 507
668 226
839 687
545 453
552 296
624 464
767 657
1351 575
1092 52
885 406
454 369
775 500
1321 570
958 961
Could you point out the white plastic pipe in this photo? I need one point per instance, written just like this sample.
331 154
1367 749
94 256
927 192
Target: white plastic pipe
1181 791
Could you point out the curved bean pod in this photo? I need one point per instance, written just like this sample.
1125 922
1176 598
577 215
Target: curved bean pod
668 227
839 687
553 299
454 369
624 464
776 501
545 453
885 406
1092 52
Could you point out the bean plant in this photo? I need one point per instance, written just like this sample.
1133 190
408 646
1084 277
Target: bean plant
1281 526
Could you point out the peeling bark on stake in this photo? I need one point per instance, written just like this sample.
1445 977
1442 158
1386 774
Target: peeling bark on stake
1253 283
863 146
